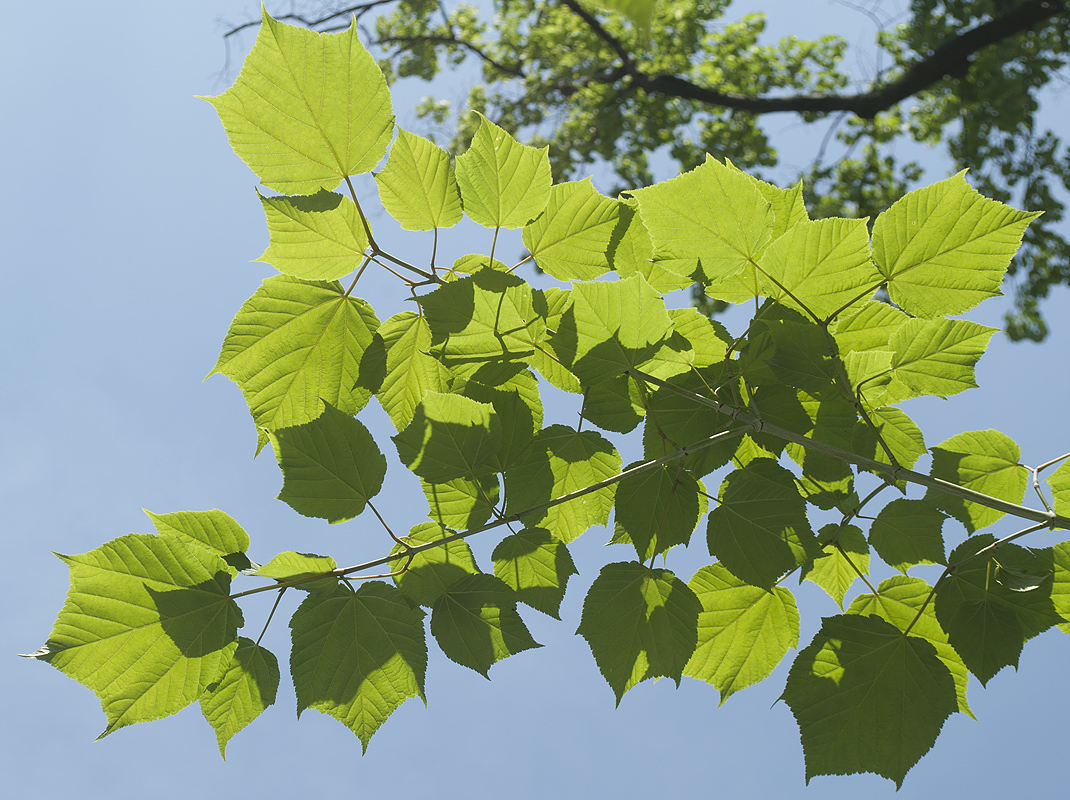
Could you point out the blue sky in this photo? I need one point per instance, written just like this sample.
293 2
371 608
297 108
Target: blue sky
129 226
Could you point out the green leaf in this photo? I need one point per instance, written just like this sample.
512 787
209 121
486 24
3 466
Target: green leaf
907 532
897 430
658 509
520 413
559 461
535 566
904 602
639 11
944 248
316 238
1059 482
432 571
714 215
417 186
934 357
404 369
462 503
307 109
1060 588
841 565
484 321
686 422
476 623
450 436
820 266
611 327
709 339
615 404
290 565
148 625
213 530
759 530
867 326
985 461
867 698
242 692
504 184
357 656
331 467
640 623
632 253
295 345
571 238
743 631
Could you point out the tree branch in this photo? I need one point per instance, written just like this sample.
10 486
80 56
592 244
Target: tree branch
359 9
513 70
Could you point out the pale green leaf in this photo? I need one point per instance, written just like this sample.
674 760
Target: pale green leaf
907 532
307 109
535 566
317 238
743 631
571 238
519 409
504 184
476 623
867 326
985 461
867 698
213 530
1060 488
289 565
632 253
944 248
331 467
357 656
295 345
242 693
462 503
934 357
708 338
1060 588
639 11
846 555
559 461
148 625
450 436
897 431
417 186
640 623
433 570
759 530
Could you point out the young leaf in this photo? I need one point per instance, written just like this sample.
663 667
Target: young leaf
504 184
907 532
1060 489
743 631
431 572
846 555
934 357
559 461
316 238
213 530
450 436
905 602
357 656
243 691
476 623
944 248
759 529
462 503
535 566
571 238
148 625
640 623
290 565
867 698
897 431
295 345
417 186
866 326
307 108
331 467
985 461
632 253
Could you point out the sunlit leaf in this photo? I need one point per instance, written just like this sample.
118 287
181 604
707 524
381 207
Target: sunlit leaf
243 691
571 238
846 556
433 570
450 436
417 186
985 461
907 532
213 530
317 238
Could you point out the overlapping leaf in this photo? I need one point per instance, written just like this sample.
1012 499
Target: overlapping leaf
295 345
985 461
433 570
320 237
290 566
307 109
357 656
907 532
944 248
867 698
148 625
743 631
658 509
417 186
535 566
462 502
213 530
571 238
640 623
846 556
331 466
632 253
243 691
1060 489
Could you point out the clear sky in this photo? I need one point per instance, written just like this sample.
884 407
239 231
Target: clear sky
128 228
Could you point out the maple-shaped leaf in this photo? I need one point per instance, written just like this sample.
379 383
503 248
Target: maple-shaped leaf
867 698
246 687
504 184
658 509
148 625
743 631
307 109
632 253
476 623
535 566
317 238
357 656
417 186
571 238
640 623
213 530
331 467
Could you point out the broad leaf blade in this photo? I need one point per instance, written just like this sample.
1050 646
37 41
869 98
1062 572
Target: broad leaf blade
213 530
985 461
417 186
535 566
571 238
432 571
450 436
246 688
907 532
315 238
288 566
846 556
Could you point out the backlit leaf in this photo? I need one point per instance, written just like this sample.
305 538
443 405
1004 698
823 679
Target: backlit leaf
658 509
417 186
290 565
535 566
985 461
907 532
846 555
213 530
432 571
318 238
241 694
450 436
571 237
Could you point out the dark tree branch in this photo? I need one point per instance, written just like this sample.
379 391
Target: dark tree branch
359 9
513 70
949 60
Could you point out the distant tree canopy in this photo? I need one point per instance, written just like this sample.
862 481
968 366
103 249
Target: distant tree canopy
601 88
